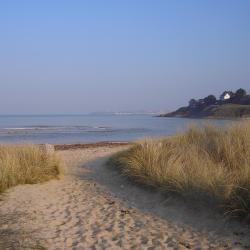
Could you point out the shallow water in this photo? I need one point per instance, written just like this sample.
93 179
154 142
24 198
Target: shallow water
90 128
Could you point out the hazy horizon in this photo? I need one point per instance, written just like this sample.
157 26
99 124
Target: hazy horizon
78 57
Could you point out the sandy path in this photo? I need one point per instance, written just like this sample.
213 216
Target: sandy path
93 207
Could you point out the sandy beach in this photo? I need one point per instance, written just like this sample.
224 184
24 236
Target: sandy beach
93 207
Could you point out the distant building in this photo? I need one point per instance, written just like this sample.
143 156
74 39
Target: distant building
227 95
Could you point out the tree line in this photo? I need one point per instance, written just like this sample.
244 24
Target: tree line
238 97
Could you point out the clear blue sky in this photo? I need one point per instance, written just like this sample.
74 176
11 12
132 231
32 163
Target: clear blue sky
83 56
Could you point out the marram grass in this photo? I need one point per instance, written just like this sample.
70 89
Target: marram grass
26 164
209 162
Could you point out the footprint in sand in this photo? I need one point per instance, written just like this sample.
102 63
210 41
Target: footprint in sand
88 209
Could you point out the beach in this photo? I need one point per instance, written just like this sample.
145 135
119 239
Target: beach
93 207
125 125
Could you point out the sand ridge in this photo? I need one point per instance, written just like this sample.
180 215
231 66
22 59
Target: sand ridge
93 207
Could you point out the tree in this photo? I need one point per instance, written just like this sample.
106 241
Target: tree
210 100
192 103
240 93
245 100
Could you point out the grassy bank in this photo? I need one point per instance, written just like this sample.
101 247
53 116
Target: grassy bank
26 164
207 162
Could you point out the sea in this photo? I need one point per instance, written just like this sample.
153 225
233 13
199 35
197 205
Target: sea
70 129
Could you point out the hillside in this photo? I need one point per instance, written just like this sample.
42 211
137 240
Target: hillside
229 105
212 111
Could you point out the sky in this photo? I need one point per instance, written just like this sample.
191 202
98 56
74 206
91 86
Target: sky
80 56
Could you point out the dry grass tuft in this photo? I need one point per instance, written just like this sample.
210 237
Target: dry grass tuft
209 162
26 164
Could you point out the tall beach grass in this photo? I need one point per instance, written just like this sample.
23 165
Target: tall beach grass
202 162
26 164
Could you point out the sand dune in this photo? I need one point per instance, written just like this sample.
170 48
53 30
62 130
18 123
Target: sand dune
93 207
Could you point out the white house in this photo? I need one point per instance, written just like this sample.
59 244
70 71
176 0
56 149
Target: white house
226 96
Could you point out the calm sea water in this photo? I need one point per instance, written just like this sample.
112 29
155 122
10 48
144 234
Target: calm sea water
89 128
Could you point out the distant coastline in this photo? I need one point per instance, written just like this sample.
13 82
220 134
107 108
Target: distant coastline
230 105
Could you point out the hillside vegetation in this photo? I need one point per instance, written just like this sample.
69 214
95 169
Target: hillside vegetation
229 105
213 111
26 164
202 163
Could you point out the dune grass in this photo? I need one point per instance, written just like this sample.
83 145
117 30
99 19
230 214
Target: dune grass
208 162
26 164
